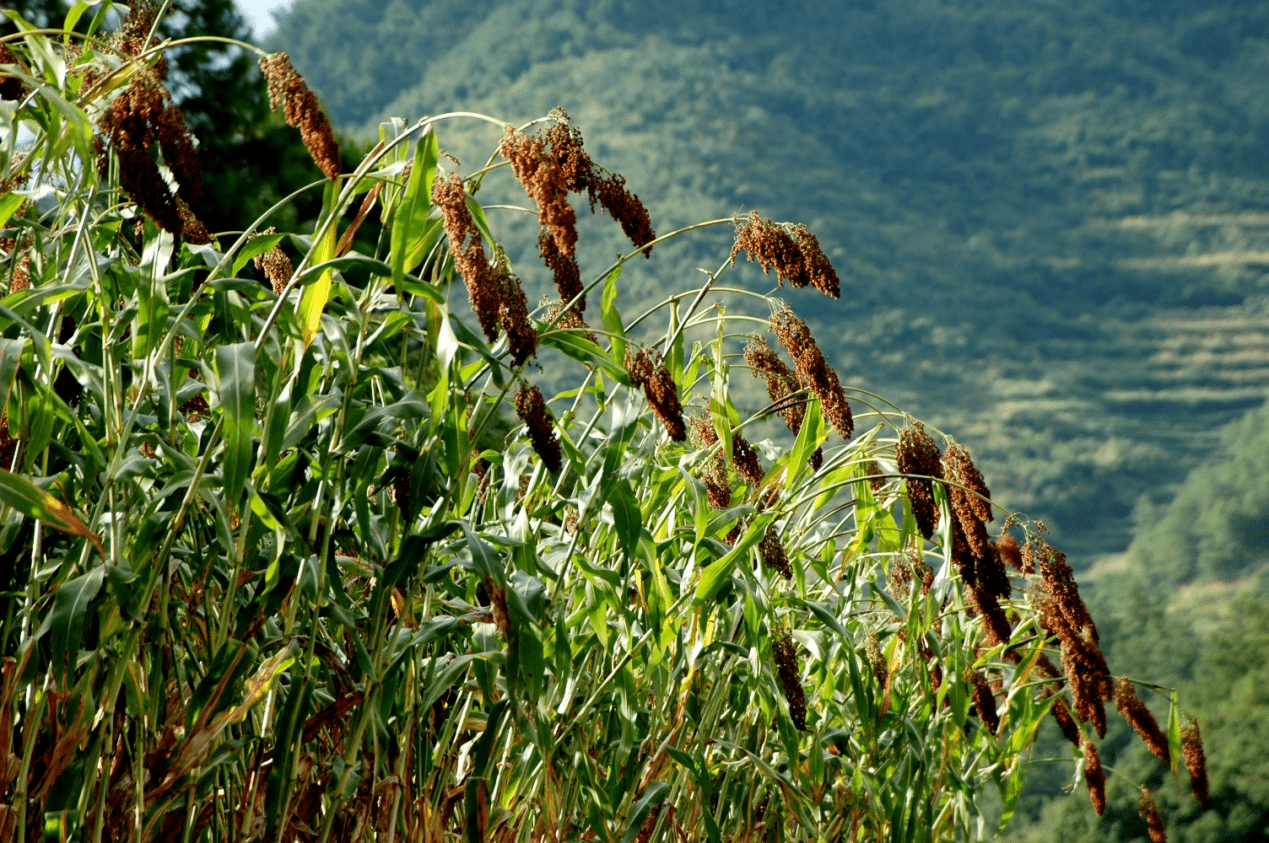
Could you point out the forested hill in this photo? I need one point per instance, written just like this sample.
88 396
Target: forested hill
1185 606
1051 219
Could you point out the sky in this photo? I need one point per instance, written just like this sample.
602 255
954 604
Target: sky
257 13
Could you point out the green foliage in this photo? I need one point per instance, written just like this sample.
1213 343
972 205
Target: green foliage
1048 219
278 577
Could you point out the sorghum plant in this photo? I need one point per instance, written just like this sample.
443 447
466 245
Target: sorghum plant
284 568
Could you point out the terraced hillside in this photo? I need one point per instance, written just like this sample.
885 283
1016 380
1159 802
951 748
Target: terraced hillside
1050 218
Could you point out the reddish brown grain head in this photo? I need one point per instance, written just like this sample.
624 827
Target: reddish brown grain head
1141 720
544 181
714 473
648 371
300 108
984 701
564 269
917 455
772 551
1095 778
1154 822
1195 759
786 660
275 264
176 142
813 369
11 87
819 270
540 424
794 253
513 313
569 319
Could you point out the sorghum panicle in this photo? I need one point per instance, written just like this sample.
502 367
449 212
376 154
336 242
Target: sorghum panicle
899 577
771 247
543 180
275 264
301 110
992 575
570 319
564 269
624 206
964 487
790 679
1059 579
513 313
984 701
648 371
773 555
11 87
1195 760
1010 553
876 659
1139 716
793 253
917 454
484 287
1066 723
532 410
818 268
813 369
1154 822
129 123
714 475
176 142
782 382
1094 777
745 459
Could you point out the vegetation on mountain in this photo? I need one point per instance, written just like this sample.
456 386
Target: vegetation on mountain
282 572
1186 606
1049 219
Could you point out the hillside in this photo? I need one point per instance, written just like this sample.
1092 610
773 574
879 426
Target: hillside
1185 606
1052 220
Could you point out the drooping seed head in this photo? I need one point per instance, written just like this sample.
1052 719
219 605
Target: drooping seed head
984 701
647 370
790 678
1154 822
540 424
813 369
300 108
773 555
1141 719
917 455
1195 759
513 313
1095 778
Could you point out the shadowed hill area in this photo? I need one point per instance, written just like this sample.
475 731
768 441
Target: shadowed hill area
1051 219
